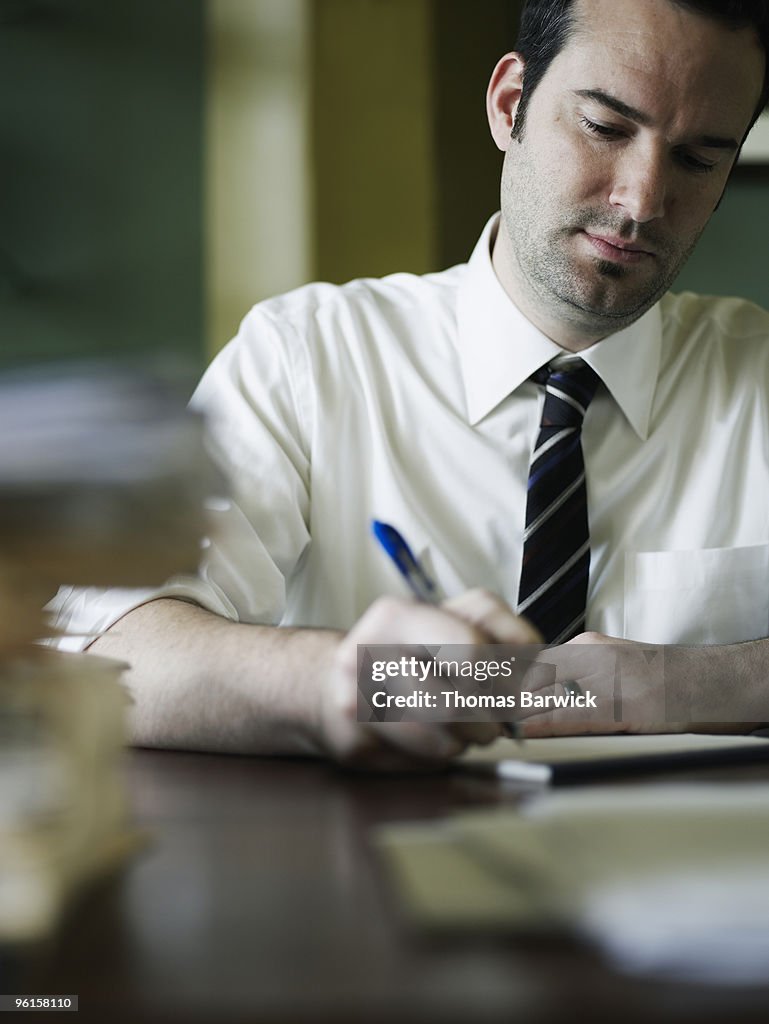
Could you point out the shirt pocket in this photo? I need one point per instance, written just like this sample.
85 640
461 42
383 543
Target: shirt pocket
711 596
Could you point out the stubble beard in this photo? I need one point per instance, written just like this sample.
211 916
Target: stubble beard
591 291
596 296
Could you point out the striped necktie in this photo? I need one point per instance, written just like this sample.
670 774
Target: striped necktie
556 544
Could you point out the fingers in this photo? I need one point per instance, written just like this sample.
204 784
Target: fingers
391 746
366 748
480 733
586 660
546 719
550 724
474 619
621 689
405 621
496 618
418 741
360 744
407 746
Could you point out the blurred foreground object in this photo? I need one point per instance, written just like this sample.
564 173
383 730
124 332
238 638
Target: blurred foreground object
62 809
667 880
102 482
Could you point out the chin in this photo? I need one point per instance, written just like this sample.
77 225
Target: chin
608 313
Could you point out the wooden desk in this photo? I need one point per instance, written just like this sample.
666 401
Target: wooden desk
259 899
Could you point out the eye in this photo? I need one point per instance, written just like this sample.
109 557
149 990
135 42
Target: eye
693 163
601 130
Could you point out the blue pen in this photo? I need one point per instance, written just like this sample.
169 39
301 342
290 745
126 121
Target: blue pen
419 582
401 554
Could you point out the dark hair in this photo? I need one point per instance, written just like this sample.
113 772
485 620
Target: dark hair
546 25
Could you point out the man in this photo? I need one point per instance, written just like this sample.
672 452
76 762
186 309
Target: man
418 401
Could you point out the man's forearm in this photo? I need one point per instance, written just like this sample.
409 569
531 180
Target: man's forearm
724 685
201 682
713 688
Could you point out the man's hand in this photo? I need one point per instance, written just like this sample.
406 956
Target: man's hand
476 617
624 680
651 688
201 682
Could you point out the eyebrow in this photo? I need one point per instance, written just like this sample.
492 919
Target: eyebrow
625 110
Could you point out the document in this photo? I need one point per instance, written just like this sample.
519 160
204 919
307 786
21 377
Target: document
666 879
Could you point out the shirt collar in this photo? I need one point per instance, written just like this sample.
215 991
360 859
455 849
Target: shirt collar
499 348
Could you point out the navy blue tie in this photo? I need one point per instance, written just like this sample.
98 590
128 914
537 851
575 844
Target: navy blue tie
556 548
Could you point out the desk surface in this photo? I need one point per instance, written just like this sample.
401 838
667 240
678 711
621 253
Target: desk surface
258 898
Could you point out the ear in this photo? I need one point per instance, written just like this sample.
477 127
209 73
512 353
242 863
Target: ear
503 96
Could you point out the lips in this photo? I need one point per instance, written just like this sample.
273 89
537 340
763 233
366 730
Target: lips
617 249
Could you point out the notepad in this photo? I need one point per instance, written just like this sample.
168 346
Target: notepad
573 759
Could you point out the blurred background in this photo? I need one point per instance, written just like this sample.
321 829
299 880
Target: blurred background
164 164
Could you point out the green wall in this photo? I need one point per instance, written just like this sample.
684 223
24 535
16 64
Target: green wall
101 193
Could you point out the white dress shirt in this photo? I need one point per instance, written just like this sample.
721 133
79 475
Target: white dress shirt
407 399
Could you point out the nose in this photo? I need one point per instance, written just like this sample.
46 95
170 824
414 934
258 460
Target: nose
640 186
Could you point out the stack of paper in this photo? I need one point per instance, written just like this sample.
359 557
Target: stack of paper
102 482
62 808
103 475
665 879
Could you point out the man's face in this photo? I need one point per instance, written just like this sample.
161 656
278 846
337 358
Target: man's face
628 142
